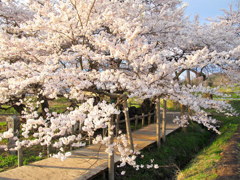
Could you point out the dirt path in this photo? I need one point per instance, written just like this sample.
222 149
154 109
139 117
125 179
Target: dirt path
229 166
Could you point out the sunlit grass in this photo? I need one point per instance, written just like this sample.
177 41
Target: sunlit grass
204 166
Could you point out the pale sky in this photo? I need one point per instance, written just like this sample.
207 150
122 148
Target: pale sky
206 8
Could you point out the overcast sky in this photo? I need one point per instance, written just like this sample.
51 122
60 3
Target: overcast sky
206 8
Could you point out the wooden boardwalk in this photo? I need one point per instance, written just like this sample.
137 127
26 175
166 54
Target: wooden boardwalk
83 163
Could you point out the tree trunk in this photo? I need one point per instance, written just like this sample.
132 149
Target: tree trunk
188 82
44 105
128 126
164 120
188 78
111 156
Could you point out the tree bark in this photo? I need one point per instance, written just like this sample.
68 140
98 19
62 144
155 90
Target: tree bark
128 126
164 120
111 156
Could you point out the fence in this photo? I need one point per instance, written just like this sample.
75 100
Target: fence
137 121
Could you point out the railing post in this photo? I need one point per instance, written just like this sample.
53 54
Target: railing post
20 157
89 140
149 117
117 123
143 119
74 127
164 120
13 122
48 151
136 121
158 125
111 156
103 132
79 127
182 107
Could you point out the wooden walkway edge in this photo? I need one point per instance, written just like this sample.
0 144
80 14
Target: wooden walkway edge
83 164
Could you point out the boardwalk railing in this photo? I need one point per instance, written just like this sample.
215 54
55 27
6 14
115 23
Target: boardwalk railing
137 121
85 162
136 118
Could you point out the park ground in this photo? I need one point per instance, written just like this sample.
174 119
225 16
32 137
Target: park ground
221 159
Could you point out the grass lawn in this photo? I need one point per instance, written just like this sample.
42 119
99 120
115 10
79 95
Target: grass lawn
3 127
9 110
58 105
9 161
230 89
204 166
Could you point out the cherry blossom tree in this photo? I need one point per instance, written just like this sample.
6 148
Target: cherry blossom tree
81 49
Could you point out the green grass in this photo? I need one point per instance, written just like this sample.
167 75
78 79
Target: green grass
31 159
58 105
233 92
3 123
134 102
204 166
61 100
11 161
8 161
10 110
171 105
58 108
3 127
231 96
234 95
230 89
